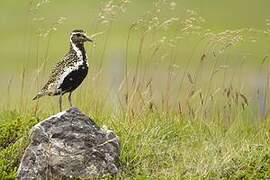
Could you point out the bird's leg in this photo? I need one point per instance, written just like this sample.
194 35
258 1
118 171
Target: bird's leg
69 99
60 101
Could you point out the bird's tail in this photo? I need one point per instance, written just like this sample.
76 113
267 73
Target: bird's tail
39 95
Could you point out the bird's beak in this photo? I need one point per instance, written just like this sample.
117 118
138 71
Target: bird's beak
88 39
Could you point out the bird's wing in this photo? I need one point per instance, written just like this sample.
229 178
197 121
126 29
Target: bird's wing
52 84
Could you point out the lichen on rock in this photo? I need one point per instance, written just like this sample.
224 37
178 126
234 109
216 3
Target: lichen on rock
70 145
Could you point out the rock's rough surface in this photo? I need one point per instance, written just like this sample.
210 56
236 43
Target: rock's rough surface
70 145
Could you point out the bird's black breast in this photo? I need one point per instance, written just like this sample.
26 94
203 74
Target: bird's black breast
74 79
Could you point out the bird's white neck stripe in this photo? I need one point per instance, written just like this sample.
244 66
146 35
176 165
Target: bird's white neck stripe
77 50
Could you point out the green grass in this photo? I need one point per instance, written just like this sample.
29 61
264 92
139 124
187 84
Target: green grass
162 146
186 91
14 130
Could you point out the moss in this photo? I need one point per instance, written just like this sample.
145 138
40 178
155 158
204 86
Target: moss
14 130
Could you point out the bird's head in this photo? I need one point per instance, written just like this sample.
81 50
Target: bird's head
79 37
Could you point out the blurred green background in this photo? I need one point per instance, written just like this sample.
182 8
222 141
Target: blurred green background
24 53
15 19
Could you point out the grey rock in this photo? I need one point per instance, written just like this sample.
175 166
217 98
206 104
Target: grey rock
70 145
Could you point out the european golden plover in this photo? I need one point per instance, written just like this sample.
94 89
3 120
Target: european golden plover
69 73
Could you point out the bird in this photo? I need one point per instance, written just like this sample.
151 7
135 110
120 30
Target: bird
69 73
